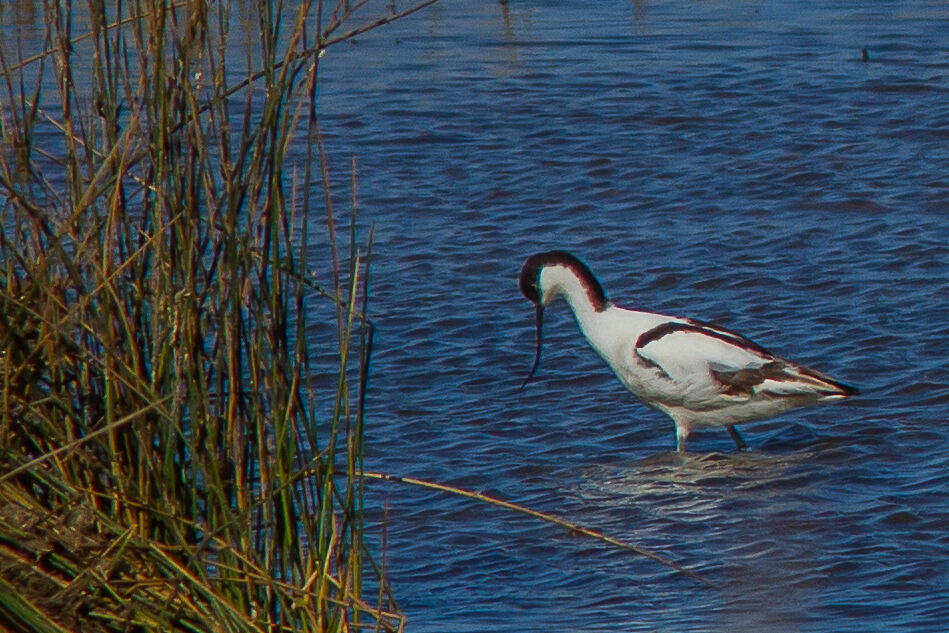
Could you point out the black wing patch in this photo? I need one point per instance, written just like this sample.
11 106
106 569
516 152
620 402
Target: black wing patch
744 381
700 327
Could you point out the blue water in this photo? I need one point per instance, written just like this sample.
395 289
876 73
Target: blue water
736 162
731 161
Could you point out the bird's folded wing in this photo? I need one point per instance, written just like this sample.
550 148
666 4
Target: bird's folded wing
689 353
703 358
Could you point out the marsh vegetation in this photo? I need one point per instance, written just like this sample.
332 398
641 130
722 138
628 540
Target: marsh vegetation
166 460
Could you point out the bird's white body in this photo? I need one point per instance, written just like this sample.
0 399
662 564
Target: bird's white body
699 374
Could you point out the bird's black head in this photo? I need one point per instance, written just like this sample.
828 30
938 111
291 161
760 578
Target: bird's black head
531 288
535 264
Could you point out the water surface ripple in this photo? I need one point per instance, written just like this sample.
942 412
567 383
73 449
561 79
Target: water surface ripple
730 161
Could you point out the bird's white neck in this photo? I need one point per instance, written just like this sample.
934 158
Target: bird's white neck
585 301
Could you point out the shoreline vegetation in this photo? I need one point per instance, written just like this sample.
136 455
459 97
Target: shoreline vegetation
167 462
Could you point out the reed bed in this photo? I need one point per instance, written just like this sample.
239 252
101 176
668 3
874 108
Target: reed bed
166 462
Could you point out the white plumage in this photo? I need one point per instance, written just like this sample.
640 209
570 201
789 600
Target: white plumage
697 373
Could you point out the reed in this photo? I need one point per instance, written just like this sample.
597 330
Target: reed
166 462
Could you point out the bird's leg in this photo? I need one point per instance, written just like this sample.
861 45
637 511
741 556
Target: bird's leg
681 435
739 443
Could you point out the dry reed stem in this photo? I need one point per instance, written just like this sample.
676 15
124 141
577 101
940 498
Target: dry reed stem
549 518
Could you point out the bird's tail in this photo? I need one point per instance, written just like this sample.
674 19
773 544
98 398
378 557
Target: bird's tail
804 381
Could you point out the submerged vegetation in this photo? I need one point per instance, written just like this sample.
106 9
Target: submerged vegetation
166 462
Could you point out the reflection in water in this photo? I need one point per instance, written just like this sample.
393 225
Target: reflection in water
640 17
750 514
691 486
506 18
697 468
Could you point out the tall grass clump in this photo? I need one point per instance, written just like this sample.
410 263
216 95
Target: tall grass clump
166 460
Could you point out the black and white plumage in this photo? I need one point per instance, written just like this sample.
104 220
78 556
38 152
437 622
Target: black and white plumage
697 373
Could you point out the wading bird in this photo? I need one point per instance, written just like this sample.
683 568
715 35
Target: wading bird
697 373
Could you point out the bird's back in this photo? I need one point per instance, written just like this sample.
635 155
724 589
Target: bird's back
706 373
